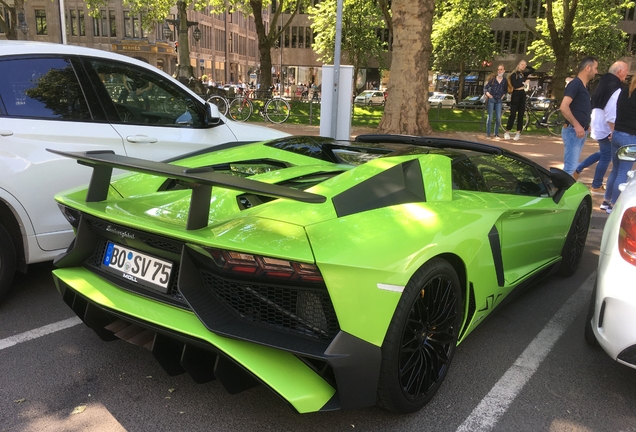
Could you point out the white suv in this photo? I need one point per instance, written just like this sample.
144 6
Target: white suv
77 99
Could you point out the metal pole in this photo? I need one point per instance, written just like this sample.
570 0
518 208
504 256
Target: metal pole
336 70
62 22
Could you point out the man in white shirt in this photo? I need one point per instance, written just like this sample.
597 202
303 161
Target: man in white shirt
603 116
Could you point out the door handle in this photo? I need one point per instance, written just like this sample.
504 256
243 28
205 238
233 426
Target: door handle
141 139
6 132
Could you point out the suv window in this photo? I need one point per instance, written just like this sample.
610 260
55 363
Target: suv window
141 97
44 88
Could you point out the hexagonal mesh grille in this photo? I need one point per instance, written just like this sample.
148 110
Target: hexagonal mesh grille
303 311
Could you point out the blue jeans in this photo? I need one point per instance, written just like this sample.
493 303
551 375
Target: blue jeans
496 105
619 167
572 146
603 157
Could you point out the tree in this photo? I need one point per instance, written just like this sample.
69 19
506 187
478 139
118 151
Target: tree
572 29
360 21
462 35
11 26
406 109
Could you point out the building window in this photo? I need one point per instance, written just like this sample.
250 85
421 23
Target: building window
136 27
96 24
73 23
113 23
82 24
127 24
308 35
40 22
294 36
104 22
287 31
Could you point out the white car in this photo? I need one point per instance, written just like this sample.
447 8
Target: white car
442 100
370 97
611 319
77 99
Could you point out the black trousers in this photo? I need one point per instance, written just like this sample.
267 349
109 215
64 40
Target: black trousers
517 108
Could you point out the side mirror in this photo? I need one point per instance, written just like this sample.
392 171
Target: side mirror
562 180
627 153
214 115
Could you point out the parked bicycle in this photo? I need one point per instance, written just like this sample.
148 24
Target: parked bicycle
546 114
275 108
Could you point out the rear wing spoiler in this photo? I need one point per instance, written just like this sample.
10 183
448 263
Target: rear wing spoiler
200 180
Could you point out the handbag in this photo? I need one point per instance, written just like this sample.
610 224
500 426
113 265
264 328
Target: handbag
483 98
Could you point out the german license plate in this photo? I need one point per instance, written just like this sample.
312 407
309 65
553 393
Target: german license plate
137 267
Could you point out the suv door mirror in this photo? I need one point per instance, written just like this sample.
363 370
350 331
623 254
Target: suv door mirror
214 115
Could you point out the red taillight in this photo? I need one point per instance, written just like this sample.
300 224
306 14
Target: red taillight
627 236
265 267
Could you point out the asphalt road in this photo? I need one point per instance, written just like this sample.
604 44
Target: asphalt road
527 368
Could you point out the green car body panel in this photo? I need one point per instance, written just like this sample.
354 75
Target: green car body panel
366 254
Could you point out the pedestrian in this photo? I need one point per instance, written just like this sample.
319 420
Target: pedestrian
516 86
624 134
495 90
576 108
603 116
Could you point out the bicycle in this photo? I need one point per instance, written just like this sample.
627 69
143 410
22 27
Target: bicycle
275 108
551 117
221 102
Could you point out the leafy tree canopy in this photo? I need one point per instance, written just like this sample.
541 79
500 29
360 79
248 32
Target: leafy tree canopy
361 20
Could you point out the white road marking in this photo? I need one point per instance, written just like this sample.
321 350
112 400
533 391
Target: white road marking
39 332
496 403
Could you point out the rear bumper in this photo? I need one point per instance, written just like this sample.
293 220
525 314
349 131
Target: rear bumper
345 375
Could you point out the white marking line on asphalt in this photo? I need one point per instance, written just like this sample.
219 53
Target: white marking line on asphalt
496 403
38 332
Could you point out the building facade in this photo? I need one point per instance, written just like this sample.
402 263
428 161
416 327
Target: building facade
227 50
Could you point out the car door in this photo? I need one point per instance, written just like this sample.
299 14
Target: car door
531 231
156 118
43 105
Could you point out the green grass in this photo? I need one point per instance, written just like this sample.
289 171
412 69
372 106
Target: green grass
441 119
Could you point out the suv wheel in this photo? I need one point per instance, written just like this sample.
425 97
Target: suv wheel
7 262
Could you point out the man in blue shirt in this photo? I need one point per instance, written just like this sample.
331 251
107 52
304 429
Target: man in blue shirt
576 108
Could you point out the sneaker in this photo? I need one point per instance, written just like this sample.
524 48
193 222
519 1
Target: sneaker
609 209
597 191
605 205
496 137
506 135
517 136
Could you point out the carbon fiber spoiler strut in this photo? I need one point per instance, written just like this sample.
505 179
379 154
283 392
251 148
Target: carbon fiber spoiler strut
200 180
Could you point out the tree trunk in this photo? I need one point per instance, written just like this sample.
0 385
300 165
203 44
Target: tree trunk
406 110
184 71
264 44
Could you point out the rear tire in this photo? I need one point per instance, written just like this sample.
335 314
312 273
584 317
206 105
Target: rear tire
421 339
7 262
555 122
240 108
575 241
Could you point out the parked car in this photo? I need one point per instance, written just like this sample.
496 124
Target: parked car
338 274
442 100
370 97
69 97
471 102
611 319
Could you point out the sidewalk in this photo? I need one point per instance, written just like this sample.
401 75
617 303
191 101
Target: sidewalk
546 150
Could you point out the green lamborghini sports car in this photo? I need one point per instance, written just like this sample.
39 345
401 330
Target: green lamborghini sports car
337 274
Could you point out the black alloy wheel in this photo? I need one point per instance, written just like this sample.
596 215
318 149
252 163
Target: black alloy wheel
575 241
422 337
7 262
